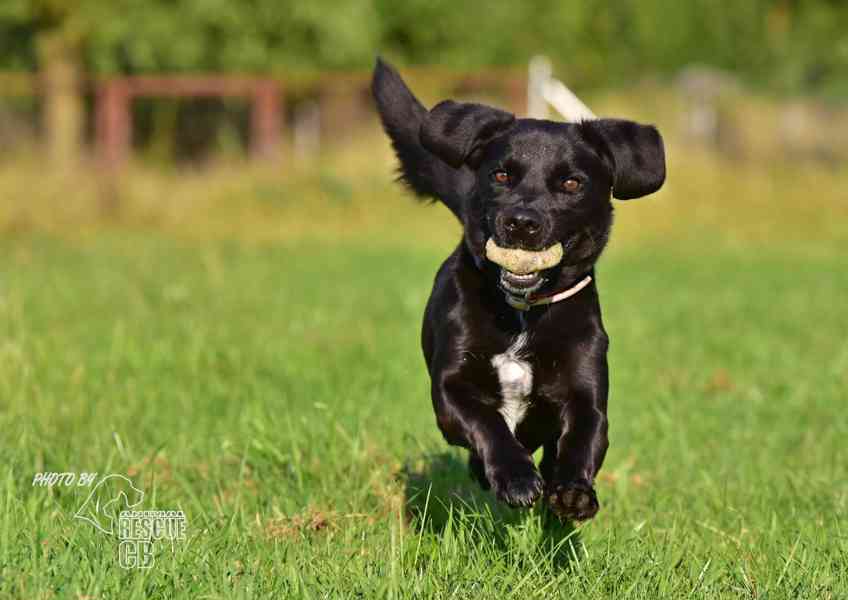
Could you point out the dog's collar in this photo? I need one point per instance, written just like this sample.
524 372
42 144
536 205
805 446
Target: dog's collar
530 301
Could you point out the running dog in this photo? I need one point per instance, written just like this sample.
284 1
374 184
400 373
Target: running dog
512 333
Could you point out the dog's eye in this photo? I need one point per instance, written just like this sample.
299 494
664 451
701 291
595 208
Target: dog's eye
570 185
500 176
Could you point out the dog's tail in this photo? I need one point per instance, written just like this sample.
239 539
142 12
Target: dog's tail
402 115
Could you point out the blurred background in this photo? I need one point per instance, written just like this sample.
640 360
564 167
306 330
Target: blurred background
206 116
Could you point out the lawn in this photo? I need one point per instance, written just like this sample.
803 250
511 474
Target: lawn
274 391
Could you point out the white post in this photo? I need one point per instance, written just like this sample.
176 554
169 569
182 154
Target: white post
538 74
306 130
544 90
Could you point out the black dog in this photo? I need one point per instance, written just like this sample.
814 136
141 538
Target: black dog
519 361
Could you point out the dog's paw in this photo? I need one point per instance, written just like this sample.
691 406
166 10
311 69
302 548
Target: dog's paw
519 485
574 500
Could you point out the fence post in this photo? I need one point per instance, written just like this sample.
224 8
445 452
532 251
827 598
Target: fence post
265 121
61 75
113 128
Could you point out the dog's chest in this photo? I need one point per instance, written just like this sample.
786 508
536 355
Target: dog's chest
515 375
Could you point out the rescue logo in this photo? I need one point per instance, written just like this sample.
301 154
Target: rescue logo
113 507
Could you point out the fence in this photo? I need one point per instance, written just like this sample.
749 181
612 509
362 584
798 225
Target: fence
268 97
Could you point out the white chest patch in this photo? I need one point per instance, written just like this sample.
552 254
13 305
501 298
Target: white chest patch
516 378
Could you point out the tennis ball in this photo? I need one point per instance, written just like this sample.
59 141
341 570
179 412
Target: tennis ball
523 262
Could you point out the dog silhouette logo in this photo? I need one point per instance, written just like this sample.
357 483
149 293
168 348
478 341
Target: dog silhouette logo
107 499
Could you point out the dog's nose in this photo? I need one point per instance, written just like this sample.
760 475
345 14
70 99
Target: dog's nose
522 225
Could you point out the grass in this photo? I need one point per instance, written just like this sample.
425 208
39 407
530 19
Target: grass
263 375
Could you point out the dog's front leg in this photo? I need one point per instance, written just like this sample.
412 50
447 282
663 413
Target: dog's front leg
583 443
466 419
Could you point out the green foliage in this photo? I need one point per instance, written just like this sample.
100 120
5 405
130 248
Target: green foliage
787 44
239 36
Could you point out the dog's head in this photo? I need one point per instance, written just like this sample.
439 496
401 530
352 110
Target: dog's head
526 183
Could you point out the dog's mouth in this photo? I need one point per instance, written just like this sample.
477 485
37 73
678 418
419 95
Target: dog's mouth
522 270
521 285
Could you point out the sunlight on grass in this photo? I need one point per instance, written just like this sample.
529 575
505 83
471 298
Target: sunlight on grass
287 414
349 194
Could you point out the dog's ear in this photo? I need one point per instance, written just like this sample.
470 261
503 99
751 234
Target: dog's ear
457 131
636 153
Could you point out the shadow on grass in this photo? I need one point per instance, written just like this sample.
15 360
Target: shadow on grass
442 497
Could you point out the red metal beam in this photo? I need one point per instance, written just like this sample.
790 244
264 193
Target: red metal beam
265 121
114 119
193 85
113 123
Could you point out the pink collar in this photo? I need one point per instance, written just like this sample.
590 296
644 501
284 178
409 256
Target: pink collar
528 303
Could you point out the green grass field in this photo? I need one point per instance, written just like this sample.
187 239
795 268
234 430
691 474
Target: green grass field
274 391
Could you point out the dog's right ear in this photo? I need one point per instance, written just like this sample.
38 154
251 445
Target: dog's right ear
456 132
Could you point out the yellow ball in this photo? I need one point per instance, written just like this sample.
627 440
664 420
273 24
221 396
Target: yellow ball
523 262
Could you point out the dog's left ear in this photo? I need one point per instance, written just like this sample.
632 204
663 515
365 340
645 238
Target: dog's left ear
637 155
457 131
